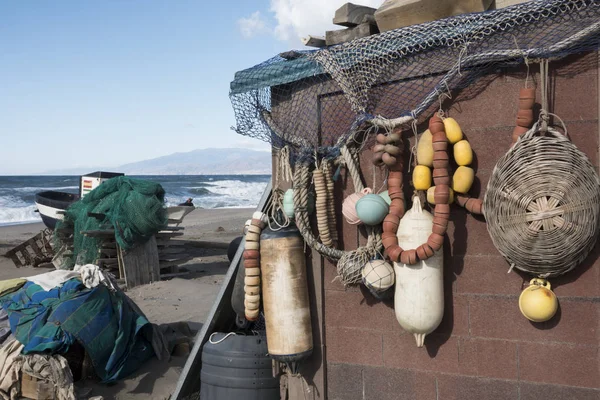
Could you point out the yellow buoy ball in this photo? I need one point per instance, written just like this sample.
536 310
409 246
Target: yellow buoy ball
425 149
378 275
537 302
453 132
462 180
421 177
463 154
431 196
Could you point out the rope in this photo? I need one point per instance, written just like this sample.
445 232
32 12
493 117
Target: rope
330 200
352 167
544 117
222 339
321 207
301 181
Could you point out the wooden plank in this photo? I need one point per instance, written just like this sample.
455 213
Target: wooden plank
314 41
172 228
219 317
141 264
108 252
347 35
351 15
168 235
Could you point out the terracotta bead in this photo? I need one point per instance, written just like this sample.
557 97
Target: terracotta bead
259 223
440 146
440 159
440 137
440 230
409 257
421 253
389 239
441 194
251 263
251 254
397 208
394 253
461 199
444 180
435 241
395 193
526 98
396 174
394 182
441 221
442 210
390 223
428 250
436 124
381 139
474 206
525 118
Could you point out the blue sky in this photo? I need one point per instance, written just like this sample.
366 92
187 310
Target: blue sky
104 83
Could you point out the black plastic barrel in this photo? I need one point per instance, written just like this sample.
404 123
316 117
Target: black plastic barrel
237 367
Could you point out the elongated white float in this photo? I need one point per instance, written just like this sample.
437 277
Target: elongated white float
419 295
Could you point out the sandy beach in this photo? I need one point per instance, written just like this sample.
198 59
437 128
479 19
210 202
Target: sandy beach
180 299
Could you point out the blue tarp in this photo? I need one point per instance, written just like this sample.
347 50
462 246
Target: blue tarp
114 334
273 72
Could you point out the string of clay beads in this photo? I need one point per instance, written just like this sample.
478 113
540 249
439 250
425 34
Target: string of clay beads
525 113
251 257
321 207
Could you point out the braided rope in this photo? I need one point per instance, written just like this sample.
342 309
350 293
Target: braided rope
301 182
321 207
330 201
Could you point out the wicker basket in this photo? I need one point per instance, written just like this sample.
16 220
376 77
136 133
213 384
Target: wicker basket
542 204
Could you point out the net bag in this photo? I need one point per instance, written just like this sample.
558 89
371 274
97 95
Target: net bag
542 204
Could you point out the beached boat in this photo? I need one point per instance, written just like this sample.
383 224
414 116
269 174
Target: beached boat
50 203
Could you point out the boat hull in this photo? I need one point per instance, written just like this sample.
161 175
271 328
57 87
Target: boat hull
50 203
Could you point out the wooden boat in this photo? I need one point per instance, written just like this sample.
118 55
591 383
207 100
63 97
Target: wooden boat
50 203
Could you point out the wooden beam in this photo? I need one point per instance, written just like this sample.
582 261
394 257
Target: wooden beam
314 41
351 15
347 35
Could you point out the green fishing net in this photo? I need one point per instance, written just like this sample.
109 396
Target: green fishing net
134 208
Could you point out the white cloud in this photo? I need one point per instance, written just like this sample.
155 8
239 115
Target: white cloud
297 18
253 25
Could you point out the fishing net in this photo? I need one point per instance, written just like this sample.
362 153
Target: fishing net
134 208
400 75
321 107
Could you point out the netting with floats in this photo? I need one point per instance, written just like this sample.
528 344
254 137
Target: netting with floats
448 56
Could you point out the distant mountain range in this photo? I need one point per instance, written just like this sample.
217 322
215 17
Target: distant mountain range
232 161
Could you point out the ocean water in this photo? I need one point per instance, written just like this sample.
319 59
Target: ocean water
17 193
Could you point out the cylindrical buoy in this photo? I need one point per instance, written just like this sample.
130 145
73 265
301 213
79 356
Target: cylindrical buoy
285 294
419 295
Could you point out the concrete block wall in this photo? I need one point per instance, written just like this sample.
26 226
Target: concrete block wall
484 348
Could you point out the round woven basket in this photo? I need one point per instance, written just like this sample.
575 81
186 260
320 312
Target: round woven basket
542 204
